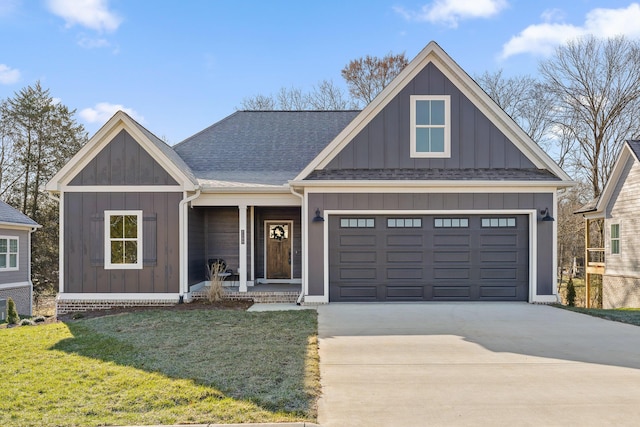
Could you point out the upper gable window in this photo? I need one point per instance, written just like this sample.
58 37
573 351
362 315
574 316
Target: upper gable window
430 126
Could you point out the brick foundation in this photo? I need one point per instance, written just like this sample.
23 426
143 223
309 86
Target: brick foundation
620 291
272 297
74 306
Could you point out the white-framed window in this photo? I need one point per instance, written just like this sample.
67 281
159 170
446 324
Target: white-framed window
431 126
8 253
123 239
404 223
615 239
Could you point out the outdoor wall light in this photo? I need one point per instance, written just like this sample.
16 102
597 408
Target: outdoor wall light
318 217
546 216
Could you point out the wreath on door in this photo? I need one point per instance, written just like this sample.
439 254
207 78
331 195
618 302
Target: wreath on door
277 232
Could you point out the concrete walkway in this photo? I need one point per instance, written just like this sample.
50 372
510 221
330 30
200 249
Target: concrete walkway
475 364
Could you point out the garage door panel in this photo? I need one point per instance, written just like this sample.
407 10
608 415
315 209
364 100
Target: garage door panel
451 273
465 262
498 292
404 273
354 240
357 273
404 257
451 292
451 256
358 257
405 293
499 273
404 240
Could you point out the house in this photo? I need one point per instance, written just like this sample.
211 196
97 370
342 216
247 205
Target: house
618 260
431 192
15 257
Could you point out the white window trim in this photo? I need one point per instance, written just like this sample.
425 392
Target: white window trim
107 241
17 267
447 126
611 239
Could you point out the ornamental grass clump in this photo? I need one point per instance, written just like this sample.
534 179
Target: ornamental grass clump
215 278
12 312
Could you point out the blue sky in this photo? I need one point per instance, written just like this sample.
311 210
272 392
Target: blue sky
180 66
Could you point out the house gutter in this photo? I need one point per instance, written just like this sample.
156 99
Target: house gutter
303 217
184 241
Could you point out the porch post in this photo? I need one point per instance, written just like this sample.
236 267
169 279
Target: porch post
242 269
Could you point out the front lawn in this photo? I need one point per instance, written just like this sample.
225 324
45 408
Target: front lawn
161 367
624 315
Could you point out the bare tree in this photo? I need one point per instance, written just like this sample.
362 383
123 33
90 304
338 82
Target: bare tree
366 77
323 96
596 86
525 100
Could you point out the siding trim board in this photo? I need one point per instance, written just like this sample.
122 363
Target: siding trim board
532 213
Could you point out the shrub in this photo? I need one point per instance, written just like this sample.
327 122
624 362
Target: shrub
27 322
39 319
12 312
214 291
571 293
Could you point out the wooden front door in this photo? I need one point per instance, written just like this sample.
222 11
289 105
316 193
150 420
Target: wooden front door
278 248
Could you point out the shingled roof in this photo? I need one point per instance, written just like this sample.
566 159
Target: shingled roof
260 147
10 215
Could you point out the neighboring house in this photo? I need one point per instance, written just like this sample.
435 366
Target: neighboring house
431 192
15 257
618 206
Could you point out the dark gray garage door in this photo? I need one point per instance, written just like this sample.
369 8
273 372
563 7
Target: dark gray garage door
427 257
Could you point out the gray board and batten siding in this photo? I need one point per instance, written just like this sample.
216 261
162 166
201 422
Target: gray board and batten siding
123 162
448 203
84 270
476 143
20 275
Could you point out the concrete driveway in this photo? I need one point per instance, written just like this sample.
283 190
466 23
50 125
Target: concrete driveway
475 364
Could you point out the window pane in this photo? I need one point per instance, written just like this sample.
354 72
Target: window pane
3 245
362 222
370 223
455 222
437 140
615 246
417 222
502 222
116 226
446 222
511 222
13 261
437 113
353 223
422 112
391 222
130 226
422 140
437 223
117 252
486 222
130 252
494 222
13 245
400 222
464 222
344 222
615 231
3 261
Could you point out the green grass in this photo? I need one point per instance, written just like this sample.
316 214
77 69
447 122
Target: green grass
161 367
624 315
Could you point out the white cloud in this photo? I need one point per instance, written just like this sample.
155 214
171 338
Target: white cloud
93 14
103 111
450 12
542 39
8 75
90 43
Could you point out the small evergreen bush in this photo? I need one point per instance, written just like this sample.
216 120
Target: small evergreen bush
39 319
571 293
12 312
